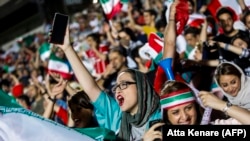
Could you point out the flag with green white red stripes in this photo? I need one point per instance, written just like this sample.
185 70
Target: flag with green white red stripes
112 7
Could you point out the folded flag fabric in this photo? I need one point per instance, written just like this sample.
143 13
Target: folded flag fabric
153 48
112 7
98 133
181 16
61 66
19 124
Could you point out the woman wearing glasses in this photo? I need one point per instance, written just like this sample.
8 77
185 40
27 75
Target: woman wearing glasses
134 105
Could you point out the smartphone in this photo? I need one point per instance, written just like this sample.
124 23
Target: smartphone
59 27
151 123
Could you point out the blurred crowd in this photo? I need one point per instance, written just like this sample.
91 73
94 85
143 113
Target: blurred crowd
155 59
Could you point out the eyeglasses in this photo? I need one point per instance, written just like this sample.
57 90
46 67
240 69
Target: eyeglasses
122 86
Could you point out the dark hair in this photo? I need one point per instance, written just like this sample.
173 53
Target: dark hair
25 98
242 36
81 99
135 52
95 37
121 51
226 69
224 10
245 14
191 2
160 24
152 12
5 82
192 30
130 33
171 86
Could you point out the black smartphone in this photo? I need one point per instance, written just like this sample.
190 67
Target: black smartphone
151 123
59 27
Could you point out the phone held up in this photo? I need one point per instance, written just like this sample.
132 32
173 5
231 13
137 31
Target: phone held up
151 123
59 27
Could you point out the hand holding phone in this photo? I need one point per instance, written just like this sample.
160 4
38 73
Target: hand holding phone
151 123
59 27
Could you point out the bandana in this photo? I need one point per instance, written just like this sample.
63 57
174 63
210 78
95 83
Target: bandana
176 98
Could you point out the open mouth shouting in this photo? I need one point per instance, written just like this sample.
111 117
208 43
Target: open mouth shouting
77 122
120 100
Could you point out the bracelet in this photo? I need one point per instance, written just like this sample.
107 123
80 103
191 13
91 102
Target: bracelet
228 105
171 20
227 46
52 99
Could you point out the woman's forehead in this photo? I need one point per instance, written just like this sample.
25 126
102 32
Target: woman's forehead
124 76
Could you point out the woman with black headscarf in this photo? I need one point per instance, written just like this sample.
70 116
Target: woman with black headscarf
134 105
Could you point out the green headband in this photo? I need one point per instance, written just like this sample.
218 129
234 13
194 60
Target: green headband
176 98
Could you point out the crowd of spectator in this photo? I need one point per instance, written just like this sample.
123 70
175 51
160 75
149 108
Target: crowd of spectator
120 74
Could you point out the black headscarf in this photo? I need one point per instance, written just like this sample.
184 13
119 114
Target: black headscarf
148 103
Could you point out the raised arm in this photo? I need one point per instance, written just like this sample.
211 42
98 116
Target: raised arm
203 33
132 23
210 100
232 48
243 5
86 80
170 33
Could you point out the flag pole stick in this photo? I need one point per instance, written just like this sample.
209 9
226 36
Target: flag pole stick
112 27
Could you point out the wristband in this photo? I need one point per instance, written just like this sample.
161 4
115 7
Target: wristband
227 46
52 99
228 105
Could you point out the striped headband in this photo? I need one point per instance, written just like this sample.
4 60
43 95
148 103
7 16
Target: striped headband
176 98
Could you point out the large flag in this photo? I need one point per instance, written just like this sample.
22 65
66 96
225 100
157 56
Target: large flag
112 7
61 66
19 124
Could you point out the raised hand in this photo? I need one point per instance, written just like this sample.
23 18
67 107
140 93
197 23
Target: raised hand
55 89
210 100
152 133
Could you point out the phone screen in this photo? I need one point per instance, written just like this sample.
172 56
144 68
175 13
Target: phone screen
59 26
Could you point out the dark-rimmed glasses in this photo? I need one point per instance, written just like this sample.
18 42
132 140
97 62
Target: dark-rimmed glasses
123 85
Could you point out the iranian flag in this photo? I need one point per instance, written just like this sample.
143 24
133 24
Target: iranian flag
112 7
19 124
61 66
214 5
44 51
